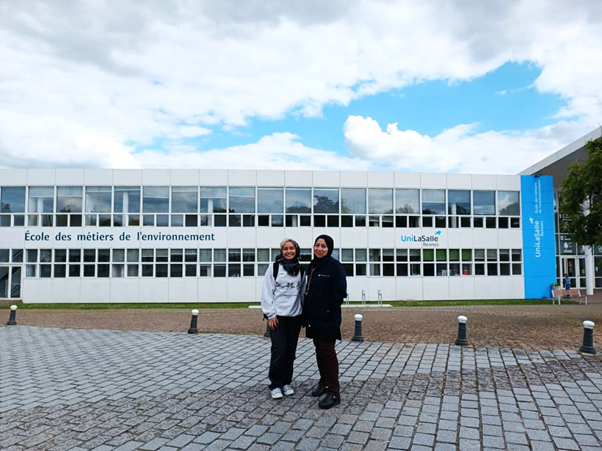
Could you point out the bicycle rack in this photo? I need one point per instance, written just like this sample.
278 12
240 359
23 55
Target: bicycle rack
380 298
363 297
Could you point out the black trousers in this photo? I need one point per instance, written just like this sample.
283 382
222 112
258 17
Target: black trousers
328 365
284 347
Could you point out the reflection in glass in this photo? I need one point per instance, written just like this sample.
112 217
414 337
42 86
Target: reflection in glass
127 199
326 200
407 201
270 200
458 202
69 199
380 200
298 200
484 202
184 199
353 200
433 201
41 199
213 199
508 203
12 199
242 200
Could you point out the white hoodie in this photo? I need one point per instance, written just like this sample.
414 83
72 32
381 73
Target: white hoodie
282 297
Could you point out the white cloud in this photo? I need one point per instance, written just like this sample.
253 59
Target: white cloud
83 81
459 149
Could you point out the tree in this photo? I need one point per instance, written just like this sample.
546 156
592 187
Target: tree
582 188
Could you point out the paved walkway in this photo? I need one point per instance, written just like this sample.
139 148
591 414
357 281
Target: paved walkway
76 389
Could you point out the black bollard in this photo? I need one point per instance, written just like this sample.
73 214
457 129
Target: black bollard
462 341
357 336
12 318
588 339
193 322
266 334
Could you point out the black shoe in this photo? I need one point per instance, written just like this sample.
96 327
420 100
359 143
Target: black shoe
318 390
329 401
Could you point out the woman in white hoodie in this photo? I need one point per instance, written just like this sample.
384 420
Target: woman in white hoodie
283 287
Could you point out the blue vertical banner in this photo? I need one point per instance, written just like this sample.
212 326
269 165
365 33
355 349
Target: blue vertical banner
539 250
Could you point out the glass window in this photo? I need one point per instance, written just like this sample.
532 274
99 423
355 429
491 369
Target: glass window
127 199
98 199
12 199
204 255
326 200
41 199
346 255
380 200
4 255
270 200
213 199
433 201
298 200
155 199
458 202
508 203
32 256
484 202
242 200
353 200
69 199
184 199
407 201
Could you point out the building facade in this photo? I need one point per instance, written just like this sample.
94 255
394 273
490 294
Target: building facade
91 235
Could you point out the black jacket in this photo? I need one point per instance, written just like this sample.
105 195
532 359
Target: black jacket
327 288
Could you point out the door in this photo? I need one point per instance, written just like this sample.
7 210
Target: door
575 268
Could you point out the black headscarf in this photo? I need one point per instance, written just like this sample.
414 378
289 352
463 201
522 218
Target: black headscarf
329 242
291 266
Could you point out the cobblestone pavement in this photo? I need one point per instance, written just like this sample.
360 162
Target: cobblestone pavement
77 389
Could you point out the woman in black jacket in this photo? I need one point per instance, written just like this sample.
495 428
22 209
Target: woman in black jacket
325 291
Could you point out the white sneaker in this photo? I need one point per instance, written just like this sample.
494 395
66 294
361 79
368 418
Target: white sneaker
288 390
276 393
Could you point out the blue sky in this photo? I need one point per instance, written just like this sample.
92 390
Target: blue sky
403 85
504 99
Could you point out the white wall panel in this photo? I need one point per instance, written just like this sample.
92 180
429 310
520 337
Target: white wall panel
125 290
241 290
154 290
66 291
13 177
182 290
484 182
41 177
70 177
184 177
127 177
459 181
433 181
407 180
323 179
508 182
241 237
385 285
301 179
270 178
354 179
156 177
242 178
512 287
37 290
461 288
435 288
98 177
381 179
487 287
409 288
213 177
96 290
212 290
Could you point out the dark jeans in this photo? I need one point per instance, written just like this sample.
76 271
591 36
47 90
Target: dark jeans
284 347
328 364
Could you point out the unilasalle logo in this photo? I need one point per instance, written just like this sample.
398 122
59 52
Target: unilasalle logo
426 240
537 235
